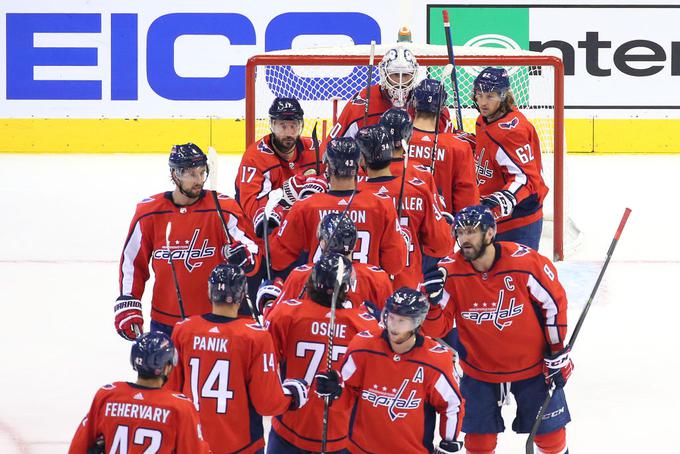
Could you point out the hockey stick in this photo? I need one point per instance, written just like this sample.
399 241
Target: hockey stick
315 144
274 197
371 60
256 314
454 78
544 406
168 229
404 146
340 271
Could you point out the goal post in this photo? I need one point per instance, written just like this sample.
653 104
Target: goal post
318 76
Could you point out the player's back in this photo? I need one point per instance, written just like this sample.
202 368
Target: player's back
420 215
397 393
379 239
454 166
300 332
221 362
372 284
137 419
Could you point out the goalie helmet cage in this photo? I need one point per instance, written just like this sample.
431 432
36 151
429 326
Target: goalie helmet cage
321 77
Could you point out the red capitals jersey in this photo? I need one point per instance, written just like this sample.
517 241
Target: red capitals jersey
228 368
397 395
420 215
300 332
351 118
508 157
508 318
371 284
135 419
262 170
380 241
196 243
454 167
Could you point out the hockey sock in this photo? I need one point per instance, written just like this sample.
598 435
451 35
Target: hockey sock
552 442
480 443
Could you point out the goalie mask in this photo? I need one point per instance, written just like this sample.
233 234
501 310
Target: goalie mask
398 71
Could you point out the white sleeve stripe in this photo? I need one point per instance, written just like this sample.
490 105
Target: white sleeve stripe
239 235
445 299
520 177
348 369
129 255
266 185
548 304
446 391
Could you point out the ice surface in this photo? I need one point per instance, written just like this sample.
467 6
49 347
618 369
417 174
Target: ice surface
65 217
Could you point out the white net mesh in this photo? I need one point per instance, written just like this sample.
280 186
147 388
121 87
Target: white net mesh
324 87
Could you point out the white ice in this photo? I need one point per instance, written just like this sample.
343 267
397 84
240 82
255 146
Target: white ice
65 217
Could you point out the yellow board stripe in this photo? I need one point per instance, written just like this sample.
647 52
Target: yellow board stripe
228 135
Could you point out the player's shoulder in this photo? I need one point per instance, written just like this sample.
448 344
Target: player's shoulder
519 256
512 125
452 263
259 153
365 340
110 389
153 203
302 269
368 269
226 202
435 355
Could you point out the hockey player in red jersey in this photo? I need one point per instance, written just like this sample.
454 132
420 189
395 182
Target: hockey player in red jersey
197 244
398 71
227 366
300 331
282 159
399 379
508 160
143 416
454 168
420 213
337 234
511 313
381 240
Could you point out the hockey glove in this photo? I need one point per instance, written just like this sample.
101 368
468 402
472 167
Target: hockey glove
298 391
274 221
99 446
128 317
238 254
372 309
329 384
433 284
313 185
501 203
267 293
291 190
557 368
448 446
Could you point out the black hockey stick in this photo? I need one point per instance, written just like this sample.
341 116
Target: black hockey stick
273 198
371 60
404 146
168 229
529 448
253 311
315 144
452 60
436 127
340 271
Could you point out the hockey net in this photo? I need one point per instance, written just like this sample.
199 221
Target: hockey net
323 79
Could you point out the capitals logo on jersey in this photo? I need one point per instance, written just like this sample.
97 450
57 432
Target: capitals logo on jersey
483 170
187 253
509 124
494 312
393 399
